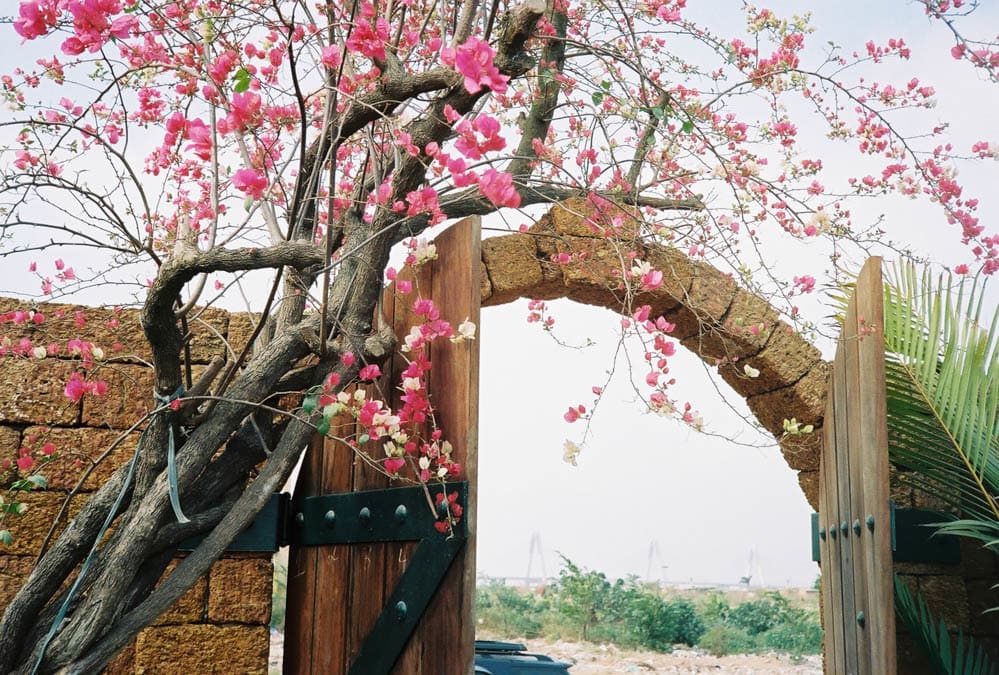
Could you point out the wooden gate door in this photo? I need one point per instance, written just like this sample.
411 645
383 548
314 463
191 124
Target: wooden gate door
370 603
854 515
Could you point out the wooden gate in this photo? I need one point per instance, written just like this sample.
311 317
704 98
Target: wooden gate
854 514
371 604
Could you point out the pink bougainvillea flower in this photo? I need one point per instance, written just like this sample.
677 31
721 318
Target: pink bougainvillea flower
474 60
497 187
36 17
250 182
370 372
25 463
75 388
393 464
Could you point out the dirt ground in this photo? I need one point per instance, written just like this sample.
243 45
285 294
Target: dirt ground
589 659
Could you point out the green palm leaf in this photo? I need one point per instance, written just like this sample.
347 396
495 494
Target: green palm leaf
966 658
942 386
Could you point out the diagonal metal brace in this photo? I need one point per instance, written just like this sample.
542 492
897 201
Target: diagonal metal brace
396 514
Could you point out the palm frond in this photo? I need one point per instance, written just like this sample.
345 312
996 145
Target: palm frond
942 386
966 658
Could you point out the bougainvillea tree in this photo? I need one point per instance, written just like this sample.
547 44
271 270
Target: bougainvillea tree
181 144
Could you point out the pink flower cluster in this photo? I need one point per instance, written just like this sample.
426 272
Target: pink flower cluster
77 386
474 60
92 22
250 182
367 39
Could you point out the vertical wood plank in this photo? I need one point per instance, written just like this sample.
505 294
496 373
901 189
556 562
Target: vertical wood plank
873 424
411 660
850 344
841 424
302 577
832 619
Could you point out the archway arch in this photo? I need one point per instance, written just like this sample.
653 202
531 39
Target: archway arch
715 318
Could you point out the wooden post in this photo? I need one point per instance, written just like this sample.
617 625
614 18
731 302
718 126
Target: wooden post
335 593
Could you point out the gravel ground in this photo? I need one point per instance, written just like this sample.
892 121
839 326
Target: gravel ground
590 659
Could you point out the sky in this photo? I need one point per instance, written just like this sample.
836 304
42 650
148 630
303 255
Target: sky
650 497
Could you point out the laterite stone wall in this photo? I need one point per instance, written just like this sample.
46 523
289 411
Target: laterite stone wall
958 593
224 618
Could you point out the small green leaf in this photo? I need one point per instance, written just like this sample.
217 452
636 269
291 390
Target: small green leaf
6 538
241 80
598 97
323 427
309 404
657 112
687 127
362 439
38 481
605 85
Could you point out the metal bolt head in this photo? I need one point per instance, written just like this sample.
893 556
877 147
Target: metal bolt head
401 610
822 533
856 527
832 531
861 619
300 519
364 515
870 523
401 513
844 527
330 518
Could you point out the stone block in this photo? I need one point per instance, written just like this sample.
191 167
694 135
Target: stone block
595 275
809 483
115 330
129 397
982 598
803 401
240 328
910 656
513 268
240 591
33 392
201 648
708 299
784 360
678 275
977 562
804 452
745 330
123 663
947 599
10 443
578 218
14 570
208 327
76 450
190 607
30 529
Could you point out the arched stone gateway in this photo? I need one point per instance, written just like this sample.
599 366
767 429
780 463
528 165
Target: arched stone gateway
714 317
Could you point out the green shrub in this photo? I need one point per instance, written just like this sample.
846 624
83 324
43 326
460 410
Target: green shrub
759 616
508 611
801 637
663 623
723 639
